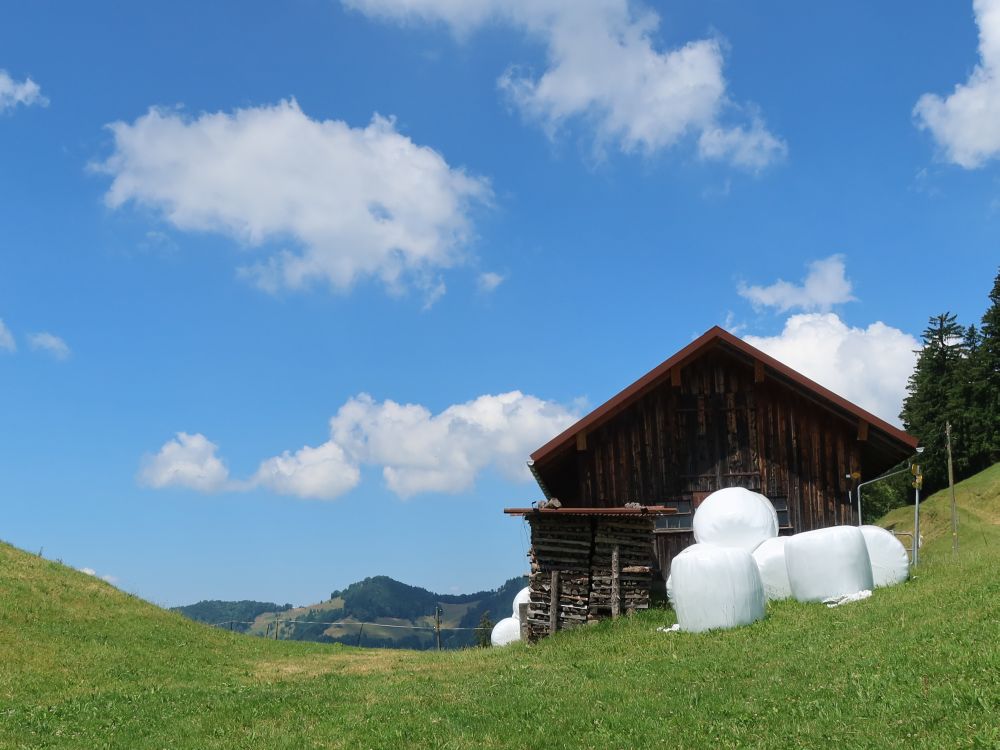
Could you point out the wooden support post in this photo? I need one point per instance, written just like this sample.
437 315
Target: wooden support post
554 603
277 623
616 603
522 614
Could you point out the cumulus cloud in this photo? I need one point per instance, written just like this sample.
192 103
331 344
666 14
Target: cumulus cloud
7 342
489 281
49 343
321 473
352 203
604 67
868 366
966 124
824 286
13 93
424 452
416 449
186 461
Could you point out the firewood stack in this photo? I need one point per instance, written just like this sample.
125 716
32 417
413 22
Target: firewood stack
559 545
587 568
632 537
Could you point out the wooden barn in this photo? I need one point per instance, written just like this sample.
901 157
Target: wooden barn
720 413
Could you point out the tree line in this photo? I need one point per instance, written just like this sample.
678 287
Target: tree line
956 381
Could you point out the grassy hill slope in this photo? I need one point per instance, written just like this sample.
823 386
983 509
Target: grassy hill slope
83 665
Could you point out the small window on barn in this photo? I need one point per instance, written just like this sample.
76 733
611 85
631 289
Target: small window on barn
679 521
781 506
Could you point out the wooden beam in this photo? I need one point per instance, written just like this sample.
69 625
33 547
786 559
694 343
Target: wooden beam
616 600
581 441
554 603
758 371
862 430
675 377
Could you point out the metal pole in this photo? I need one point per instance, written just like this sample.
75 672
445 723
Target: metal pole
916 527
859 505
951 484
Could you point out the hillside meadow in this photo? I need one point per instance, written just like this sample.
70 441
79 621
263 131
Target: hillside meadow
83 665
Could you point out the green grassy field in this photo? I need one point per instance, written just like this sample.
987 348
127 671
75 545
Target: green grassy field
83 665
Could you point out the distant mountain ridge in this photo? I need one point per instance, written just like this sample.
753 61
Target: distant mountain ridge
378 599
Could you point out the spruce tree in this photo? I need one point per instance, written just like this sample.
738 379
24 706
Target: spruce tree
988 368
934 394
484 630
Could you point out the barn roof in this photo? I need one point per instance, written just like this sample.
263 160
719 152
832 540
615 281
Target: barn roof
714 338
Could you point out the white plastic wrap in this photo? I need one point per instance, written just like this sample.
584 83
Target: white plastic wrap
827 563
770 559
508 630
735 517
890 561
523 597
715 587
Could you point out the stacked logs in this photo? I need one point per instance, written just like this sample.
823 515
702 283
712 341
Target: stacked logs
621 566
560 574
585 569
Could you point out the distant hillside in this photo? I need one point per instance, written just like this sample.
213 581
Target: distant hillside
380 600
240 614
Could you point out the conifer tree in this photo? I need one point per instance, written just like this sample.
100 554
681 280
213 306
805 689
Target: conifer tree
934 394
988 370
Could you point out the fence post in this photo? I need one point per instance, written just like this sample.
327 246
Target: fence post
277 622
360 631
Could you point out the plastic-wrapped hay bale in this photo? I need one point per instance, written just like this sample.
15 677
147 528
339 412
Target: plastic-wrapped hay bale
508 630
716 587
890 561
670 580
827 563
770 559
735 517
523 597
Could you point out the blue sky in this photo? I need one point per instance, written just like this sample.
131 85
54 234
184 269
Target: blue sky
289 293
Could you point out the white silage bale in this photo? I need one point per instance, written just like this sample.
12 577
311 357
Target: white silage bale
523 597
716 587
770 559
890 561
827 563
735 517
508 630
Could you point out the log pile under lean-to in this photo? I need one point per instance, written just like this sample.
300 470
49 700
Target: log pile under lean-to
622 546
586 568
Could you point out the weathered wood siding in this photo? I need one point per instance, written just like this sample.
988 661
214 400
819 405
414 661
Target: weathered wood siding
722 425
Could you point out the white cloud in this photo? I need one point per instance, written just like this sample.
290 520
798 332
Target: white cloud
7 342
417 450
322 473
824 286
424 452
868 366
352 202
49 343
603 67
489 281
186 461
113 580
12 93
966 124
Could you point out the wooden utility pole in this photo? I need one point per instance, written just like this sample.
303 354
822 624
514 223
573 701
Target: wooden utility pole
951 485
437 625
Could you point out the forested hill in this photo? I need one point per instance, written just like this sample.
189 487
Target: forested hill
379 599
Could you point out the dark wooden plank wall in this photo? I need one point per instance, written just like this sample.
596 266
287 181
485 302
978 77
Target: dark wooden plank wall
720 428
